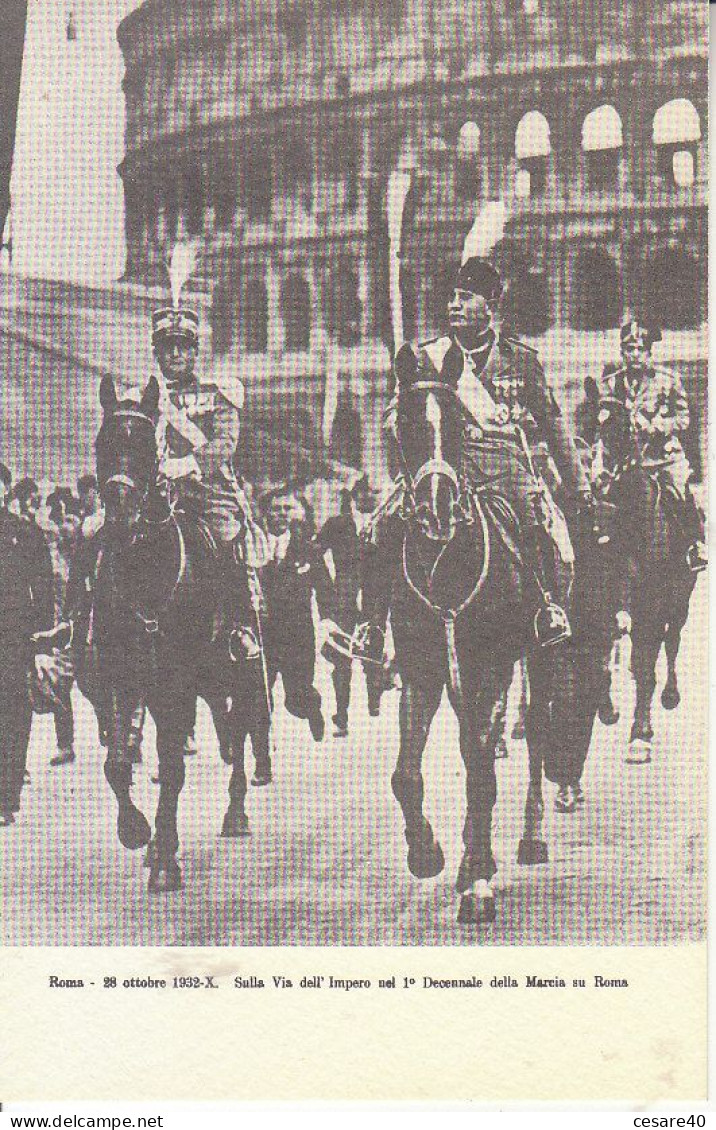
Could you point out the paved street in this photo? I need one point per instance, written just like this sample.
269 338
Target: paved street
326 862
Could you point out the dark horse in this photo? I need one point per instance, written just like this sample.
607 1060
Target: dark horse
462 614
652 547
155 620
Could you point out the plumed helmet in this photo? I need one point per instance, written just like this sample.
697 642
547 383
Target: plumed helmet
479 277
169 323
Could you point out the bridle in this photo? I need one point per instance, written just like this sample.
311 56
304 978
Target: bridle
150 622
469 512
121 479
609 477
432 466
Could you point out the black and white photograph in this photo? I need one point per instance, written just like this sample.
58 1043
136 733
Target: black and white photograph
353 460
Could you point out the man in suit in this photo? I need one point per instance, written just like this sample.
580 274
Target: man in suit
26 609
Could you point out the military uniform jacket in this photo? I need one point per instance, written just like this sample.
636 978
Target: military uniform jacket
199 431
510 391
655 397
27 601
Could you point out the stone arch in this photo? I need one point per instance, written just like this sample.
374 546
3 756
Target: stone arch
527 300
254 317
468 180
595 291
602 145
602 129
533 147
296 312
670 288
346 444
532 136
676 134
675 122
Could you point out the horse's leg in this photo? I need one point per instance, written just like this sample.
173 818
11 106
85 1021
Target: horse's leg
519 730
608 713
133 828
671 696
532 848
479 732
342 672
501 750
174 724
647 634
218 706
419 702
236 822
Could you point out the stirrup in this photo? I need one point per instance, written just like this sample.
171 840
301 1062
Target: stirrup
243 644
551 625
696 557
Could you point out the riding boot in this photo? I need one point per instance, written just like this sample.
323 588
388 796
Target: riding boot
551 623
240 616
380 565
693 520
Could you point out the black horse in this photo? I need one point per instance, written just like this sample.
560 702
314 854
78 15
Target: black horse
652 546
462 614
155 632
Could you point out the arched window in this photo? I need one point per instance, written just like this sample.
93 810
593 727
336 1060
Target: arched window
297 170
467 170
257 184
595 298
532 149
676 134
670 291
225 201
346 444
602 140
344 311
296 310
255 317
527 303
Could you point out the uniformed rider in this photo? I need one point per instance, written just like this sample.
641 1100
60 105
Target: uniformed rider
503 390
198 435
659 411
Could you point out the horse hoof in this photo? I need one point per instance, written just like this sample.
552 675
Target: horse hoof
670 698
164 879
501 751
564 800
425 861
639 752
133 829
475 910
532 852
608 714
317 726
235 827
261 778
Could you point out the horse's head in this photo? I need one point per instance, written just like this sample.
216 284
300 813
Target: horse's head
126 453
429 433
615 441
